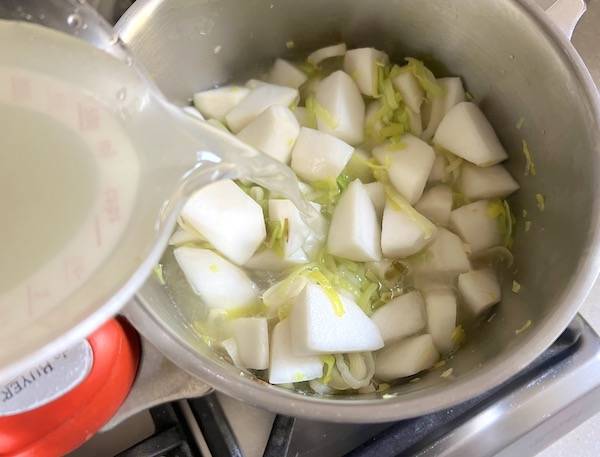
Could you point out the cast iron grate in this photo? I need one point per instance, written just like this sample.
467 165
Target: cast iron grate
173 436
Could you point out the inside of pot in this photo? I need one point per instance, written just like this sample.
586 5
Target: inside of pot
519 77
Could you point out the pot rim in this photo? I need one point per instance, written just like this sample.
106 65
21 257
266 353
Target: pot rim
414 403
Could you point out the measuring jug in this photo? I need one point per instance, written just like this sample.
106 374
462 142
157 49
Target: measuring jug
94 167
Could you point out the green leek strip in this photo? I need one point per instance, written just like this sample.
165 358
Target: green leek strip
320 113
327 262
455 163
525 326
334 274
332 295
516 287
391 120
311 119
500 209
389 94
309 69
328 192
529 164
495 209
402 117
425 78
366 297
342 182
381 76
392 130
159 273
351 266
459 336
541 202
459 199
277 236
253 310
328 363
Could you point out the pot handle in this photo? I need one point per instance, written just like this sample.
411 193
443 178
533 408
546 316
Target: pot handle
566 14
158 381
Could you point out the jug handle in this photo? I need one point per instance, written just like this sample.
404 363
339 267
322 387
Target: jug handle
158 381
565 14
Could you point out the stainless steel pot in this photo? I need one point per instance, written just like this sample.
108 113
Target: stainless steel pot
515 62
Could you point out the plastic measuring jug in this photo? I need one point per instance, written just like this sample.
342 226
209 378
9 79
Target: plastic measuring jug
94 167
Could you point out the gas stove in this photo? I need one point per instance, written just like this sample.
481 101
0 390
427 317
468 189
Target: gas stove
557 392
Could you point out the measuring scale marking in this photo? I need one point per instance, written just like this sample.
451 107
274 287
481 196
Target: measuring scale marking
117 170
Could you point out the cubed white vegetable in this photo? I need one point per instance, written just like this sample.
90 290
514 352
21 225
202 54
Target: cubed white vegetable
376 191
297 231
287 367
444 259
441 317
251 335
231 348
401 317
339 96
355 233
227 218
218 282
287 74
438 170
318 156
216 103
282 293
454 92
479 289
304 117
268 260
410 165
466 132
410 89
256 102
478 183
474 224
436 204
336 50
273 132
440 105
362 64
406 358
317 329
400 235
